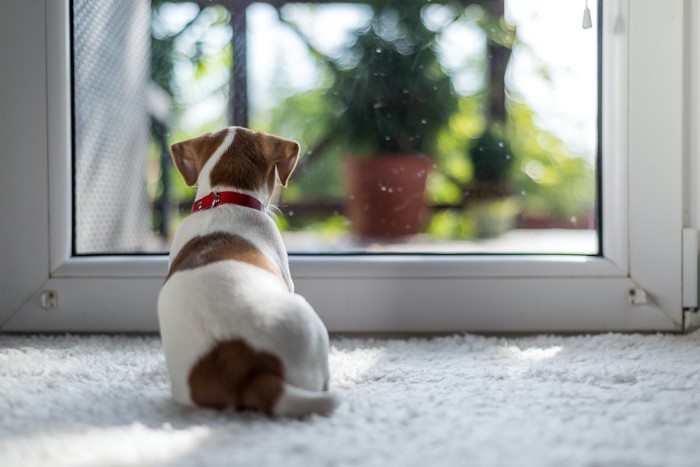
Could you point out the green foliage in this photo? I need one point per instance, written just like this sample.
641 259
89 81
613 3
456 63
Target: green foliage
281 222
187 46
307 117
548 179
328 227
553 182
491 155
442 190
332 225
452 223
497 30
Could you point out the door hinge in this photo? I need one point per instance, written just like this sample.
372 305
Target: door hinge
637 296
49 299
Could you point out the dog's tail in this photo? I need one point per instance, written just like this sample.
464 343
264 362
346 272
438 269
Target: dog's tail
297 402
262 393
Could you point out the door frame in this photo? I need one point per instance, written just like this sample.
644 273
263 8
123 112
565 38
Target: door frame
644 213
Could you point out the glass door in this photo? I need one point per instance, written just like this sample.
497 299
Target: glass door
466 165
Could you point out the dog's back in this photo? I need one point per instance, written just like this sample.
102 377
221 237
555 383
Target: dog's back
234 333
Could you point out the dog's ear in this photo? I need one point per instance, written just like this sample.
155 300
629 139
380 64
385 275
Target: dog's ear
191 155
280 153
185 161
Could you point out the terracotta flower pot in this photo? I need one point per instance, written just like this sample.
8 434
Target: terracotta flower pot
386 195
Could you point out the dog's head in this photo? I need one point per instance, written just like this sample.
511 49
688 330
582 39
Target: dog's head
236 157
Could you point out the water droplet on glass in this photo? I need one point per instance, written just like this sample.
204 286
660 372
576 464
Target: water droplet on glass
383 188
378 50
405 91
391 190
500 144
290 213
377 105
388 138
573 219
424 121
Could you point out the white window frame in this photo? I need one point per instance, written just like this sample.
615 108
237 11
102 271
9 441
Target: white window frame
647 149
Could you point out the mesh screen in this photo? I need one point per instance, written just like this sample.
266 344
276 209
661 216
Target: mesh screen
111 73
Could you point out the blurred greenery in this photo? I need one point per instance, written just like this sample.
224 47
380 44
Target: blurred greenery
552 181
491 155
191 63
308 118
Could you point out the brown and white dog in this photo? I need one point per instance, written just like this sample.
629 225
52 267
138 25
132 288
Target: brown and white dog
235 334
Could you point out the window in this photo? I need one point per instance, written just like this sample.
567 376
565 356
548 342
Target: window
454 127
636 282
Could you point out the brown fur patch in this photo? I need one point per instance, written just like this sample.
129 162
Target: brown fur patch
191 155
243 165
235 375
251 160
220 246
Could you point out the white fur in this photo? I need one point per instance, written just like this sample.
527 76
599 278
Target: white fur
229 300
204 179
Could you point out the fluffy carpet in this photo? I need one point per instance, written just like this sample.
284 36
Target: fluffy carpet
618 400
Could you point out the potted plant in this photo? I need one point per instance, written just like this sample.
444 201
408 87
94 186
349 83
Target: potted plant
490 195
394 99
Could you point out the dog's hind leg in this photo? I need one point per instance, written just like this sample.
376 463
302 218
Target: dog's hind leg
234 375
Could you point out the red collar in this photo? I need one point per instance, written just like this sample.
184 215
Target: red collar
217 198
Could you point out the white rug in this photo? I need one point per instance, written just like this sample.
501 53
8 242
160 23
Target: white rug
617 400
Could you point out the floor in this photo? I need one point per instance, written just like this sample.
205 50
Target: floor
462 400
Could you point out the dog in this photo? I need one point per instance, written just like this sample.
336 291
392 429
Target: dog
234 333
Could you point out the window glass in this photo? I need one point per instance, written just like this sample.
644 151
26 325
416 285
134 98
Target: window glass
425 126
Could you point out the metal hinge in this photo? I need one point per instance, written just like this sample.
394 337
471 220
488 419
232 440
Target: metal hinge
691 317
49 299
